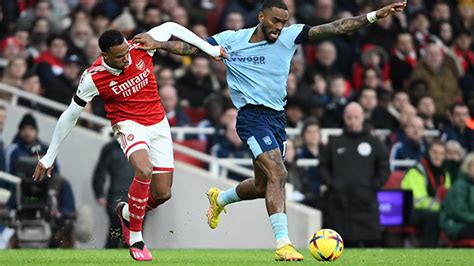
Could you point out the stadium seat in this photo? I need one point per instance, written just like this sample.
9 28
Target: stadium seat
310 54
401 236
195 114
195 144
466 243
403 230
214 16
394 180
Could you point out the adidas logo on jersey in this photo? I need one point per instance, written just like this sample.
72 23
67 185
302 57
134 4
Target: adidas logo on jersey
112 83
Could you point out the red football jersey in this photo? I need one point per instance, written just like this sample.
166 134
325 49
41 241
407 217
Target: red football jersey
129 94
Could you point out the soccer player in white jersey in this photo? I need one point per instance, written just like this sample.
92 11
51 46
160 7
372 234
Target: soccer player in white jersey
123 77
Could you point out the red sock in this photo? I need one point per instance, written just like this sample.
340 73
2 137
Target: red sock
137 199
151 203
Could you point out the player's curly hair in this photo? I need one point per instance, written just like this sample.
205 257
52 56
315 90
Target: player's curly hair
109 39
274 3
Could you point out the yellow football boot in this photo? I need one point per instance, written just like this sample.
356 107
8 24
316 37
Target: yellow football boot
288 253
214 209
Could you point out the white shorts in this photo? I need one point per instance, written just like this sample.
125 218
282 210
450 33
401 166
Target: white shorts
156 139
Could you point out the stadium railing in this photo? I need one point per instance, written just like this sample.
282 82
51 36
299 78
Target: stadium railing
15 180
310 162
217 166
50 104
180 133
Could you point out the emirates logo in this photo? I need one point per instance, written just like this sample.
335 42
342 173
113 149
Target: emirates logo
140 65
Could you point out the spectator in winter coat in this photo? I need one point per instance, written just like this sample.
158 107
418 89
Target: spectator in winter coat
457 211
413 145
429 181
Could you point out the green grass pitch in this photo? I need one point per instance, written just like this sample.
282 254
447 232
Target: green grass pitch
235 257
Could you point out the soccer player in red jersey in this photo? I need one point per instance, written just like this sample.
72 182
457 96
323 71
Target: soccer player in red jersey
123 77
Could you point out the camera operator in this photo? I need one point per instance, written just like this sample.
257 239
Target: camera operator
53 198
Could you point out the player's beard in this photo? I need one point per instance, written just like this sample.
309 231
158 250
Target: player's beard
266 33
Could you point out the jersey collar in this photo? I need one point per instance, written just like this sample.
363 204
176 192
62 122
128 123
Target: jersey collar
114 71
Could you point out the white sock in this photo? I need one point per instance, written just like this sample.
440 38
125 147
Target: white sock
126 213
227 197
283 241
135 237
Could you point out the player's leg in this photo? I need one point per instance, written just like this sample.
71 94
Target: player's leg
249 189
253 188
161 154
137 201
160 189
138 192
134 142
271 163
252 129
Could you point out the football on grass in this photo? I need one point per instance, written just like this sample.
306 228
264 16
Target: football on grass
326 245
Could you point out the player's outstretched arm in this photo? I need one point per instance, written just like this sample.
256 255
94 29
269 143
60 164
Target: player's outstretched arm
66 122
347 25
157 38
175 47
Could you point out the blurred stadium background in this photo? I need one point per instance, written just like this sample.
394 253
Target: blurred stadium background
415 63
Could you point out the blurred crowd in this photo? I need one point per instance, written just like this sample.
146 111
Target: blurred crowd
411 73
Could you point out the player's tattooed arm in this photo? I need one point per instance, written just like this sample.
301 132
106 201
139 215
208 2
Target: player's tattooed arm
341 26
347 25
178 47
175 47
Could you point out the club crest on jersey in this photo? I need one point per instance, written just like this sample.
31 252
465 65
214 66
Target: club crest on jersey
267 140
130 137
140 65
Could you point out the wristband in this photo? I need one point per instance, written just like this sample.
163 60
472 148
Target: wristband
372 16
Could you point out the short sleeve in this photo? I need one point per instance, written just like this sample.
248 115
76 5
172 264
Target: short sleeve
290 34
86 90
221 38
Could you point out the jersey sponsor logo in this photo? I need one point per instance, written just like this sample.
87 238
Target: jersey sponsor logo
140 65
267 140
132 85
256 60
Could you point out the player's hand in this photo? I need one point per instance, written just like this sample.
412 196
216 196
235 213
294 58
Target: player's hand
148 43
102 202
391 9
40 172
223 55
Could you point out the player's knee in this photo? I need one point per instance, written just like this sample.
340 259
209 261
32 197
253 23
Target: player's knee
144 172
261 191
161 196
279 174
